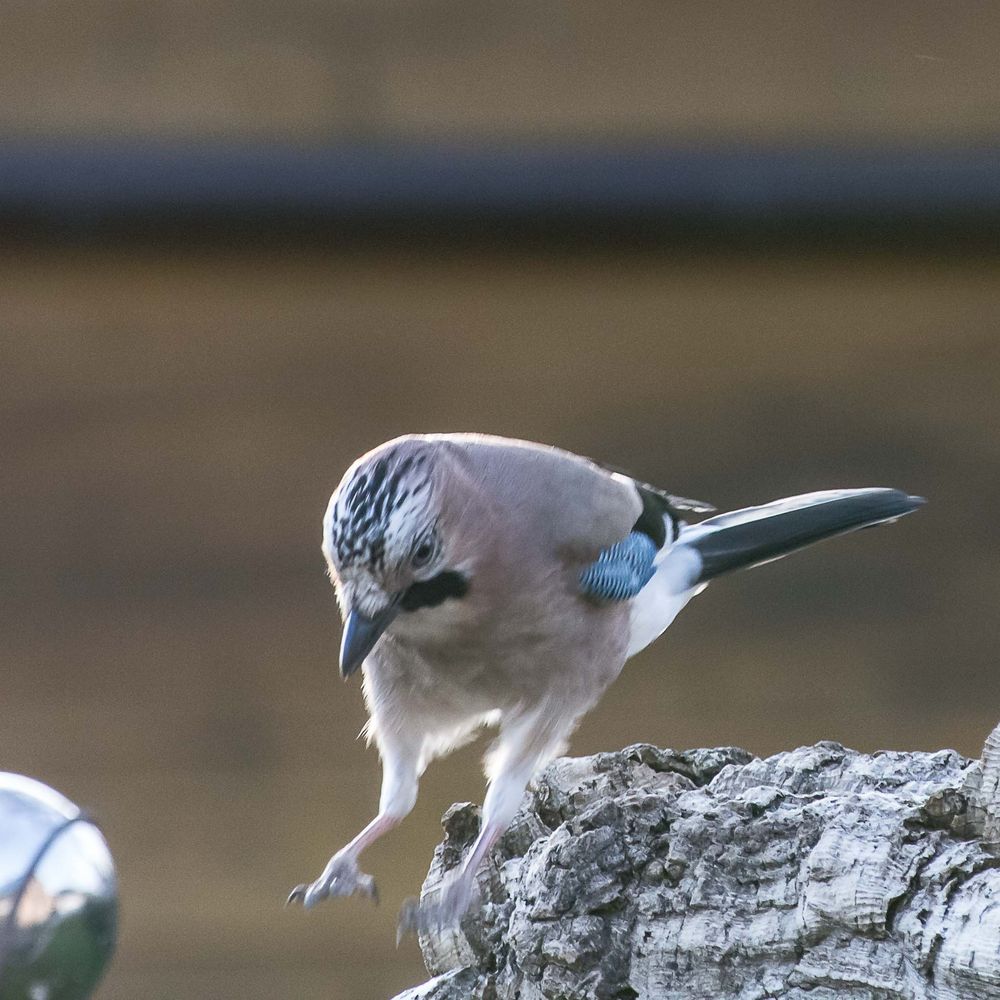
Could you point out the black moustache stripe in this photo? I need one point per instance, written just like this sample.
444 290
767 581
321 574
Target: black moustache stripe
431 593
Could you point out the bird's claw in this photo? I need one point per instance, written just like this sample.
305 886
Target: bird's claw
441 912
341 877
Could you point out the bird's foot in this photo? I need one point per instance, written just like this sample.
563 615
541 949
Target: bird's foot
341 877
442 911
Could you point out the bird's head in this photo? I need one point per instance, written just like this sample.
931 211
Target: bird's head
387 543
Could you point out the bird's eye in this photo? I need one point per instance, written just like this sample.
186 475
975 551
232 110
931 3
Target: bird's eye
422 554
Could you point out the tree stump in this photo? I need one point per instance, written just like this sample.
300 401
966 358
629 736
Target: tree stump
817 874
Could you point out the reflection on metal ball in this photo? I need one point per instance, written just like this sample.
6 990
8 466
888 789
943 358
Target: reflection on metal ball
58 895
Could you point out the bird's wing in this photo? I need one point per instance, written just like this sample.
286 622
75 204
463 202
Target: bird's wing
661 510
621 570
659 506
559 501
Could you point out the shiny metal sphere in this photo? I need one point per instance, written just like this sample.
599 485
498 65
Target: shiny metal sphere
58 895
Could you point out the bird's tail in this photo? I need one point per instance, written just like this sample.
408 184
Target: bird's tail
749 537
755 535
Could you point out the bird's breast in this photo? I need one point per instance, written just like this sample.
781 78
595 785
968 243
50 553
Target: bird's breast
496 653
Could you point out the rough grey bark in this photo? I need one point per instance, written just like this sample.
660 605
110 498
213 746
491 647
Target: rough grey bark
818 874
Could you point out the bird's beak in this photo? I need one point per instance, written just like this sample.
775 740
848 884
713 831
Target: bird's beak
360 635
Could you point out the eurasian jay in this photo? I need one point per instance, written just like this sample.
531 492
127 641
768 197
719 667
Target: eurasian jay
486 581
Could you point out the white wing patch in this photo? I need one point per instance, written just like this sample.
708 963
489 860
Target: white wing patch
658 603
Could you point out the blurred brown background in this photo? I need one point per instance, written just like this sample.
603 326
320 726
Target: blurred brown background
176 411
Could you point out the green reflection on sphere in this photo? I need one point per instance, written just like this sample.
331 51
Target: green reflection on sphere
58 895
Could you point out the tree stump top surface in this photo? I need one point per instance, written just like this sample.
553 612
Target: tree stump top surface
815 874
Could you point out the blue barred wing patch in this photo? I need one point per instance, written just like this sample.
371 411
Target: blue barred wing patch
621 571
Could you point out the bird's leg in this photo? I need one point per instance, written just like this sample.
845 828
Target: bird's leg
512 766
342 876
